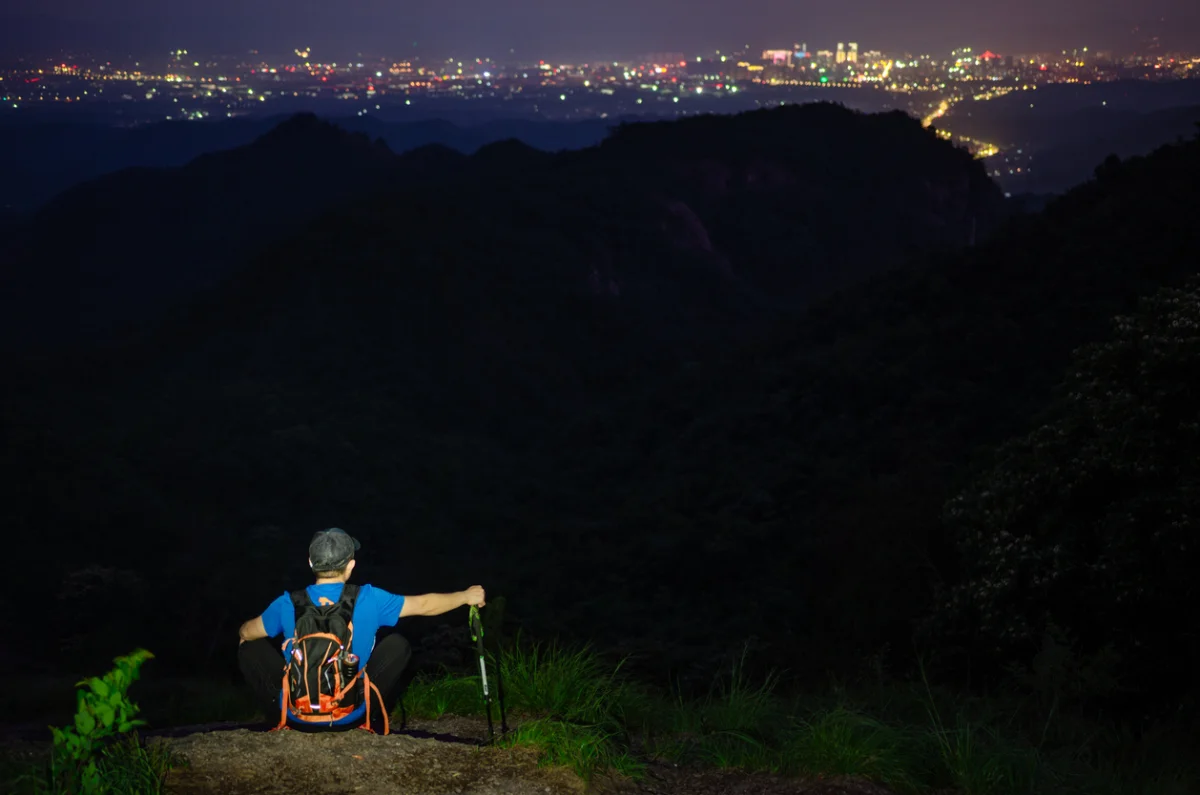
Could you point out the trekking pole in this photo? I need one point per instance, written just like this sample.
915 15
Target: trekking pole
500 697
476 624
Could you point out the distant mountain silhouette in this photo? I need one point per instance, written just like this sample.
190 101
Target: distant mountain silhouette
40 160
1069 129
757 210
510 154
119 247
1059 113
1099 135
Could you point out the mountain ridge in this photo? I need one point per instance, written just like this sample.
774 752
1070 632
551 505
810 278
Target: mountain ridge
50 157
621 191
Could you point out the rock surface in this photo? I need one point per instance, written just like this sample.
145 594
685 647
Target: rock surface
435 758
243 762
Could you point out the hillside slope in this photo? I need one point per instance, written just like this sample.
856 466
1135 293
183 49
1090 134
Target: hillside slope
399 365
732 196
124 247
808 474
709 191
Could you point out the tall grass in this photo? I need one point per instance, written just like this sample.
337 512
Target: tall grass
433 696
572 685
585 748
976 759
842 742
735 724
128 766
569 703
133 767
582 712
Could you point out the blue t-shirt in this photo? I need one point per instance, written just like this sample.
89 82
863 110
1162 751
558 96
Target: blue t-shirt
374 608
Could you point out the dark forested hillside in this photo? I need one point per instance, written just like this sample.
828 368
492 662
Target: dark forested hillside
729 199
125 247
815 467
753 356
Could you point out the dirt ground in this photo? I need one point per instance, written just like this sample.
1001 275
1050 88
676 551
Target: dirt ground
432 758
242 762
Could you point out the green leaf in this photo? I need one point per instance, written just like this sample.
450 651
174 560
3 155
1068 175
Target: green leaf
106 714
99 686
91 779
84 722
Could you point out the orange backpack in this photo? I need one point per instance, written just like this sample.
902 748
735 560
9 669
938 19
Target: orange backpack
322 679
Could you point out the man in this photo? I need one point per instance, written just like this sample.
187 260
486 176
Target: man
331 558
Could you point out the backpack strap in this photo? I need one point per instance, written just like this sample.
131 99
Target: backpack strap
301 599
349 596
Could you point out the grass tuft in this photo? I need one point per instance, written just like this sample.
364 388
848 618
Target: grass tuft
133 767
974 758
736 724
842 742
978 760
571 685
432 696
128 766
586 749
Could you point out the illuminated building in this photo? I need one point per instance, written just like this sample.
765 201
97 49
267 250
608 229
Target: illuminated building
852 55
778 57
665 58
841 52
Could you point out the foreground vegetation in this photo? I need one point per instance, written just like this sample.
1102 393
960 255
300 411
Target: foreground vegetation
585 712
908 736
100 751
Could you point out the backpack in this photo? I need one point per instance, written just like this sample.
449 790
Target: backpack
322 681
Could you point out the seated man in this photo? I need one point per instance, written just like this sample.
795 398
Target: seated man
336 630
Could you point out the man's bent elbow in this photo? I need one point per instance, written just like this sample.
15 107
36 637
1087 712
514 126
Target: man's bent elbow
252 630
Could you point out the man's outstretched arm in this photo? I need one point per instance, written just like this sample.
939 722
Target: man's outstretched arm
434 604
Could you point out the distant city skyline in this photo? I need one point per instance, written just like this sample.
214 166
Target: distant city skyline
619 29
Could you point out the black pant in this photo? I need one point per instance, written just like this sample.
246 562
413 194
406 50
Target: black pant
261 662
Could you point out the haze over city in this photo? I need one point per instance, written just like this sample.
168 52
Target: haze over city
610 30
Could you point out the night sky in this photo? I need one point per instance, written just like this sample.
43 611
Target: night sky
617 28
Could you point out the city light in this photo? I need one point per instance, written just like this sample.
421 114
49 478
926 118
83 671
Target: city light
933 88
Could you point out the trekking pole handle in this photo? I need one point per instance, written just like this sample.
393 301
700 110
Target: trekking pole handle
476 624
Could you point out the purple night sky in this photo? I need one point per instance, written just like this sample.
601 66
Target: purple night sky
553 28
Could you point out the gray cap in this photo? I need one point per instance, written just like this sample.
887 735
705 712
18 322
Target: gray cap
332 549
